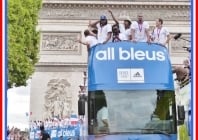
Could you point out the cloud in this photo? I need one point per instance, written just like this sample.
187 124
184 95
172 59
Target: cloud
18 103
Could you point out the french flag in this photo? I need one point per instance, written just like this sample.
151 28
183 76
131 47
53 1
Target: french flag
73 119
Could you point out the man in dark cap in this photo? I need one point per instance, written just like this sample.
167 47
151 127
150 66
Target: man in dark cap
104 29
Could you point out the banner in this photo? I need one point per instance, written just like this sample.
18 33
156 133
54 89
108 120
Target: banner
55 133
127 65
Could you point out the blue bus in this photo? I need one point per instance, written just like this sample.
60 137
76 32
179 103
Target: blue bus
130 93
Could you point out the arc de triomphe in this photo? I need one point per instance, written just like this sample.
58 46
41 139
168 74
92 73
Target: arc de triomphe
59 72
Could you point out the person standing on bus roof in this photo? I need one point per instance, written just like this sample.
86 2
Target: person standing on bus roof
160 34
104 29
117 35
90 39
125 28
140 30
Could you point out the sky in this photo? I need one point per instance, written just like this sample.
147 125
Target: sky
18 105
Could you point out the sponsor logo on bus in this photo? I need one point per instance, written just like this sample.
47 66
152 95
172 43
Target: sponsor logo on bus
130 75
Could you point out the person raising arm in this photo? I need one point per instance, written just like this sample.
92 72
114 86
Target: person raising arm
104 30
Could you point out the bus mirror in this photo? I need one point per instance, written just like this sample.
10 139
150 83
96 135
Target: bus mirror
81 105
189 123
181 112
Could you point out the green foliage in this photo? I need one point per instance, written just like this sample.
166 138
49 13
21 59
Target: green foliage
162 108
23 40
183 133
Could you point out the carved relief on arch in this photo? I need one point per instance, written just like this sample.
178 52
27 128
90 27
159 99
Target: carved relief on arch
58 99
60 42
150 13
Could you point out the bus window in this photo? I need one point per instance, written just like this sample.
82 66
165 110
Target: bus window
131 111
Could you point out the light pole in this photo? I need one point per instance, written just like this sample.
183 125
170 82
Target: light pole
82 96
82 111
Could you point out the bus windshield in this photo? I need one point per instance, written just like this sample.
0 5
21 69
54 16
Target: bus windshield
132 112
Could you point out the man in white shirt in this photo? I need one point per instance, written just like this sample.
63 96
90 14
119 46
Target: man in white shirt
90 39
140 30
125 28
160 34
104 30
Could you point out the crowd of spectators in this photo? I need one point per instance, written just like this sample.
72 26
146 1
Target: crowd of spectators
54 123
15 133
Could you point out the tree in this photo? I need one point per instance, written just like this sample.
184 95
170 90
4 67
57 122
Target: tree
23 40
